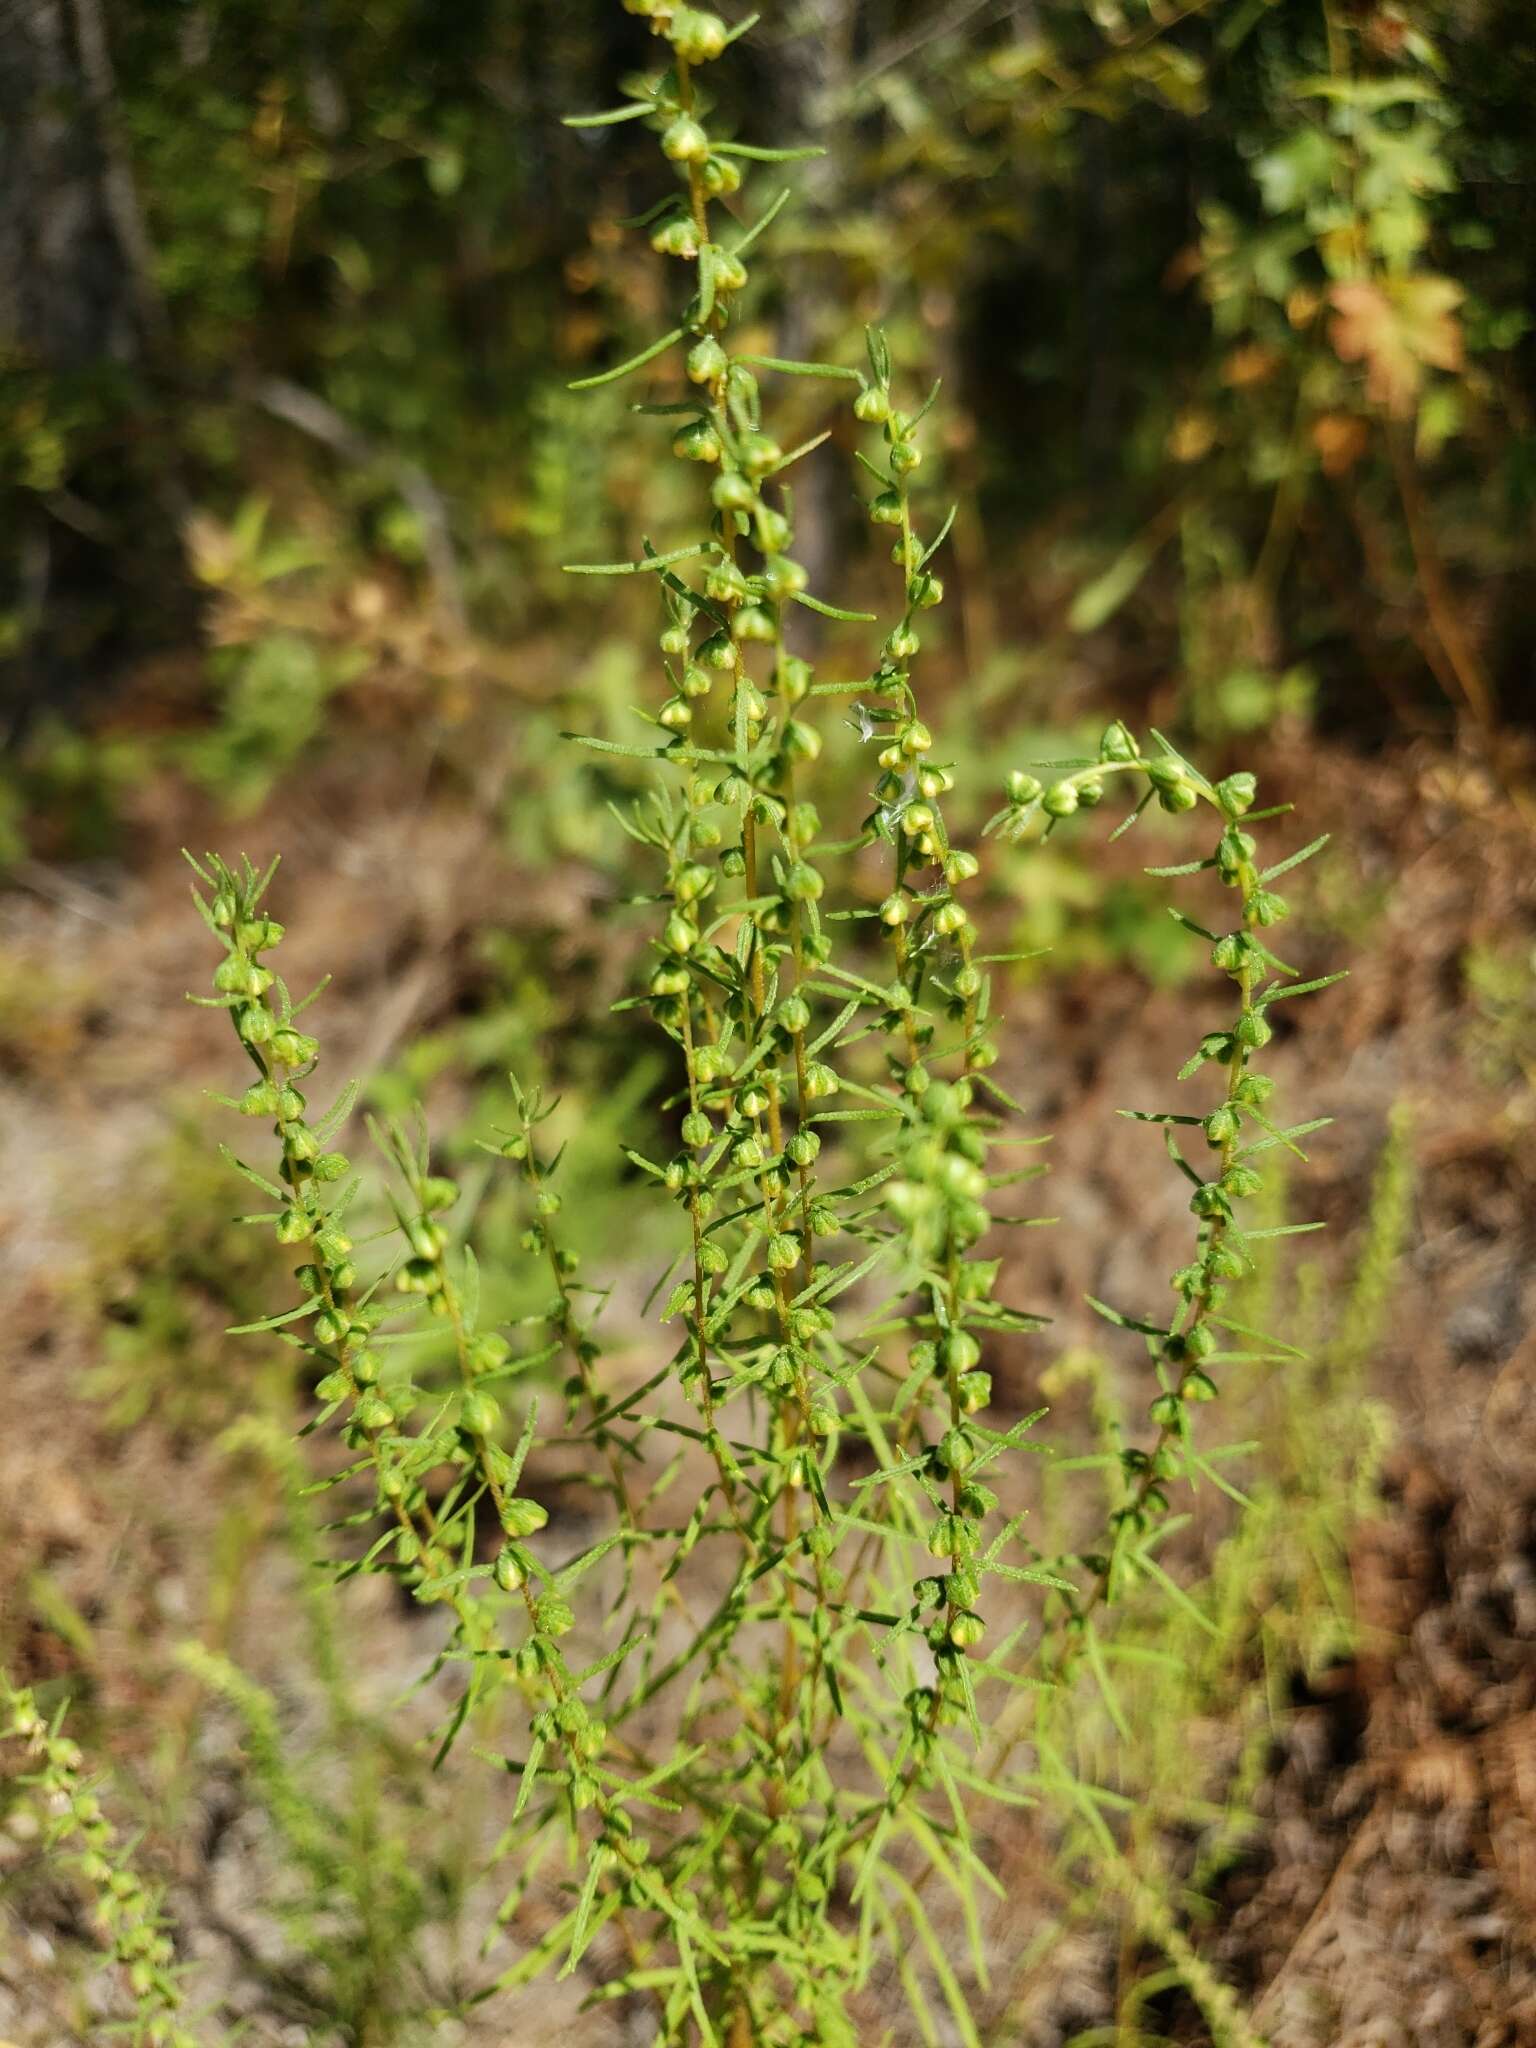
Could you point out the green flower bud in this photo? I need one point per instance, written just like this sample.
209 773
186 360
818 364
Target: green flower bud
783 1252
905 457
479 1414
1167 1411
885 509
783 578
552 1616
1090 792
820 1082
521 1517
260 1099
873 405
697 442
1182 796
1221 1126
676 237
707 361
374 1413
730 273
508 1569
254 1023
975 1391
332 1166
290 1048
1225 1262
684 141
959 1351
1235 794
721 176
718 651
755 622
1116 744
732 493
726 582
1254 1029
759 453
681 934
1265 907
803 884
1021 788
1060 800
1254 1090
697 36
966 1630
293 1226
772 530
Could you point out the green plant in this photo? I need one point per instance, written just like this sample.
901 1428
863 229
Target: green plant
780 1698
126 1908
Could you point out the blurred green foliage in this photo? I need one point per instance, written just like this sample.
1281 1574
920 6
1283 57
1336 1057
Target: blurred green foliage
1231 300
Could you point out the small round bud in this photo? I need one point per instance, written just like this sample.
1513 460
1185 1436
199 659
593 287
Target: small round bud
1021 788
684 141
873 405
759 453
885 509
697 442
1060 800
676 237
697 36
1221 1126
732 493
721 176
1116 743
707 361
521 1517
1167 1412
755 622
1235 794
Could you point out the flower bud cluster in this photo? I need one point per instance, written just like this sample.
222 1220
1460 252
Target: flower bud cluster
124 1906
1235 1129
